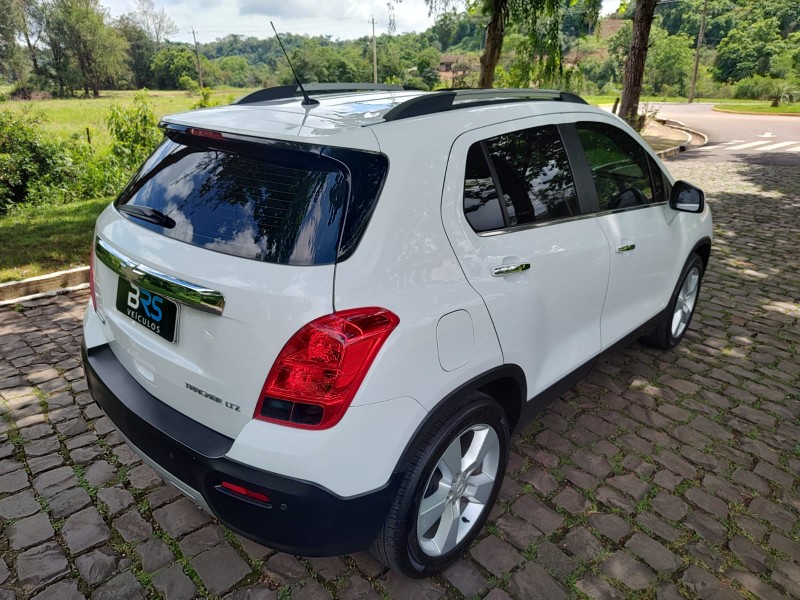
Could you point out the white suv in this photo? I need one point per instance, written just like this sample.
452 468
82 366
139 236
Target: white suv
323 321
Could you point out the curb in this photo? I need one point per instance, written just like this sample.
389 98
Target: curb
758 114
671 151
52 282
52 294
682 127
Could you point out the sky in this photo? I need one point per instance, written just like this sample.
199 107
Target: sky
341 19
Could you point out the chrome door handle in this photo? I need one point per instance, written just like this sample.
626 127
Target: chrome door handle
510 269
626 247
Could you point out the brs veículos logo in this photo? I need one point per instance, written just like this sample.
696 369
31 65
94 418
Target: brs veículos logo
149 303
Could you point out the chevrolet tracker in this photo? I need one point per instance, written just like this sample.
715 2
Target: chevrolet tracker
323 319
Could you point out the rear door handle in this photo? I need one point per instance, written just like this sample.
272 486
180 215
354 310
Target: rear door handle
626 247
510 269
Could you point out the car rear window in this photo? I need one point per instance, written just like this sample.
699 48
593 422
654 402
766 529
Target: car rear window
243 199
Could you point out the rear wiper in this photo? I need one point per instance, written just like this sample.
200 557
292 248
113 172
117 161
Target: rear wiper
145 213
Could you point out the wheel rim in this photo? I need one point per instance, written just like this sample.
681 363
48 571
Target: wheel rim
458 490
684 305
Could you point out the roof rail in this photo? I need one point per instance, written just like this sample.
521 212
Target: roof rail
283 92
445 100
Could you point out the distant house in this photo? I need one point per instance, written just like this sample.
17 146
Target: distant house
447 65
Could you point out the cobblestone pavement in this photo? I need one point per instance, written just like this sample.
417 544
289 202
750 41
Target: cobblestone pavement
660 475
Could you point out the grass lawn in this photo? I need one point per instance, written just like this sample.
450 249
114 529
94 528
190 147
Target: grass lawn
42 239
763 107
73 116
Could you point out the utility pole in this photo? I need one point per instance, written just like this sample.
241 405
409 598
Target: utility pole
374 53
693 87
197 56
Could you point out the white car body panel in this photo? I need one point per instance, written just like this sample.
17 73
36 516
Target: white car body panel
355 456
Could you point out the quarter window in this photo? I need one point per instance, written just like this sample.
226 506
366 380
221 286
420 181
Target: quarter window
529 170
619 166
481 202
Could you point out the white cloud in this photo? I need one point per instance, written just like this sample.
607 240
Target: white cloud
342 19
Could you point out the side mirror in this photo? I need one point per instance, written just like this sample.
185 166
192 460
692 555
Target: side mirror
687 198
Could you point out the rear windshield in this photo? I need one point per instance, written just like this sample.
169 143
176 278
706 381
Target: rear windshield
259 203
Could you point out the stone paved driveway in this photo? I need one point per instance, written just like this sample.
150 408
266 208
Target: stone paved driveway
660 475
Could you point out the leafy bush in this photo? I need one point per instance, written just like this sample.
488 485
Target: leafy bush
757 88
134 129
187 83
766 88
205 100
33 166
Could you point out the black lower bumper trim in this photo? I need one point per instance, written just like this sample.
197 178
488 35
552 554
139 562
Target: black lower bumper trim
300 518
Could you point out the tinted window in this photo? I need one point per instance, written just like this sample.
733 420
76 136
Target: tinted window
534 176
481 202
619 166
275 207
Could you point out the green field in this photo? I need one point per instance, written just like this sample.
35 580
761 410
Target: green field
764 107
74 115
43 239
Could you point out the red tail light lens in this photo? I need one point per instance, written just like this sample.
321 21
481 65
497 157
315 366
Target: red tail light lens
91 278
320 369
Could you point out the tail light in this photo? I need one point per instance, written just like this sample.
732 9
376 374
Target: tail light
91 278
320 369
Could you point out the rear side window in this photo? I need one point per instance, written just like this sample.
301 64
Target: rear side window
529 171
619 166
278 207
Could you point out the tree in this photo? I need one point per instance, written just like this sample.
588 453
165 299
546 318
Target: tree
170 64
156 22
141 49
98 49
669 63
13 62
541 20
234 70
637 56
749 49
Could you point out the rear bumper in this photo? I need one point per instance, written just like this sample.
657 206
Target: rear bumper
300 518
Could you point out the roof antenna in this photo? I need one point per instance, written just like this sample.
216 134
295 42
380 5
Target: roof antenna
307 100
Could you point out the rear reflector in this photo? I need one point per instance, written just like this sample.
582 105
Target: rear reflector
243 491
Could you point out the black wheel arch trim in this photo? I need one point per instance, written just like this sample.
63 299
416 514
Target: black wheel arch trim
477 383
705 241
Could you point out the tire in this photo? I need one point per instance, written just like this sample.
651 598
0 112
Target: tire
671 328
474 421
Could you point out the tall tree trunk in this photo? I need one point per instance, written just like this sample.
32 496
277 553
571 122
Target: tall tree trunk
495 32
634 66
31 52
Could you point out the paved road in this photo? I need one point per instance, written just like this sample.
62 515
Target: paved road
739 135
660 475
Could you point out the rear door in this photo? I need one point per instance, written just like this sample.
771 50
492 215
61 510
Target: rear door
642 231
212 257
511 210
